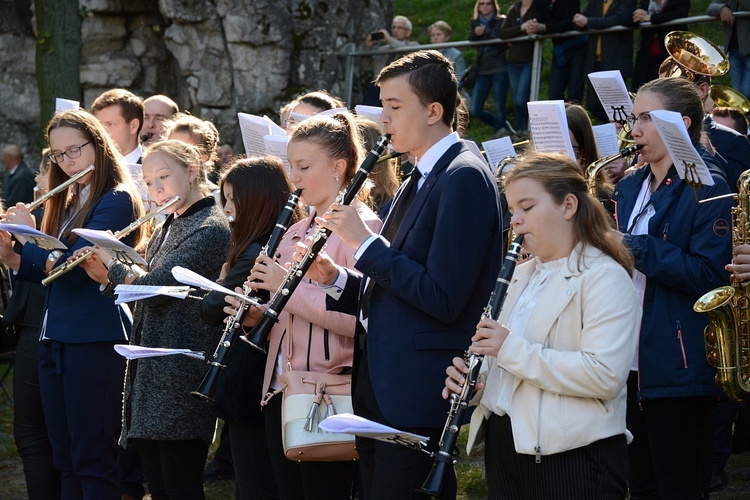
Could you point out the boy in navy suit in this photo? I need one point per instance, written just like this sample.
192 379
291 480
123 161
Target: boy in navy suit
424 280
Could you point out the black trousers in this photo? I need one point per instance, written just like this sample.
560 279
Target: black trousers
387 470
595 471
671 451
253 473
173 469
29 426
304 480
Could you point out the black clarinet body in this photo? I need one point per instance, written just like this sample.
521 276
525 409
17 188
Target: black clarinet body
443 458
206 391
258 336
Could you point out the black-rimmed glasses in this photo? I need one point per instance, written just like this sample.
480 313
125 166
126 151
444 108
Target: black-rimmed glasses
72 153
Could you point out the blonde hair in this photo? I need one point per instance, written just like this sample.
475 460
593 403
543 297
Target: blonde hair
560 176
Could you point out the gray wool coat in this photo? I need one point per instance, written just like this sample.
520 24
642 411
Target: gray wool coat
157 403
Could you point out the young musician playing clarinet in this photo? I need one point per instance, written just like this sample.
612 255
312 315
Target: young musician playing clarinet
253 193
558 358
425 279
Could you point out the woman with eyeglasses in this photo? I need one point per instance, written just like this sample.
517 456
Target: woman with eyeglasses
80 374
680 248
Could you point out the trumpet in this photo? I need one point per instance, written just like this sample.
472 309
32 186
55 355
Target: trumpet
206 391
62 187
443 458
259 334
72 264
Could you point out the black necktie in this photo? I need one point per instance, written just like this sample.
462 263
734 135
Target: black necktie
401 205
395 217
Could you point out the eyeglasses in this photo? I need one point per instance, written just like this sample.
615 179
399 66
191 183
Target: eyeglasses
71 153
642 120
394 28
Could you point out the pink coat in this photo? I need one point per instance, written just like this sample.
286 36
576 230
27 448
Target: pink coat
316 339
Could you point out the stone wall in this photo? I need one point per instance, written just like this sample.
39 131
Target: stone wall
214 57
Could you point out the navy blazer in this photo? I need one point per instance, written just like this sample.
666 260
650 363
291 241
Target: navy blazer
733 147
432 283
77 312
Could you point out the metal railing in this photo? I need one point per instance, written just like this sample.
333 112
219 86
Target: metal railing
353 56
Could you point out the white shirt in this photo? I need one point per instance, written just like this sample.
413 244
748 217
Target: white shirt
505 383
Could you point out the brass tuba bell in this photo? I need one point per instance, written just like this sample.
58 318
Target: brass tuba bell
693 56
722 95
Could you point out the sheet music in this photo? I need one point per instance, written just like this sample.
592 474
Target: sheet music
348 423
131 293
606 139
136 352
276 145
549 127
370 112
673 132
65 105
34 236
275 129
497 149
253 129
115 247
184 275
613 94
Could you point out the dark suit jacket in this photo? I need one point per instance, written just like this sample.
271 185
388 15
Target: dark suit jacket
77 311
19 187
732 146
432 283
617 48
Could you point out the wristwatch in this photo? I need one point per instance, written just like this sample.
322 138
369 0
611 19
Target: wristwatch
54 256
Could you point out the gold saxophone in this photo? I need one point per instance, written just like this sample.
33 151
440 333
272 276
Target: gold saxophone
727 337
592 171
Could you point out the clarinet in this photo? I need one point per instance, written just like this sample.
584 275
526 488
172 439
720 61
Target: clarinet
259 334
443 458
206 391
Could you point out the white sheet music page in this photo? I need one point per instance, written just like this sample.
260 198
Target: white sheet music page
115 247
497 149
673 132
253 129
606 139
612 93
549 127
65 105
276 145
33 235
348 423
136 351
370 112
130 293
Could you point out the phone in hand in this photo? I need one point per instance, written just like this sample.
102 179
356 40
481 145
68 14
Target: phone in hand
377 35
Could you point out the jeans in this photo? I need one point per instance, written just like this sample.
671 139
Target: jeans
499 84
569 76
520 84
740 72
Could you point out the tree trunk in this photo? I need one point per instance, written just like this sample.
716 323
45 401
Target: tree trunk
58 56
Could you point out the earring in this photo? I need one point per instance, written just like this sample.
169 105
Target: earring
337 178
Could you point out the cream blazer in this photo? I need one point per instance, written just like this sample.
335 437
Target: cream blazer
567 373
